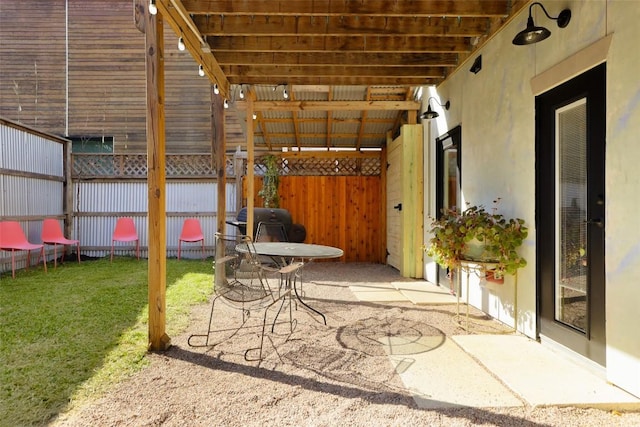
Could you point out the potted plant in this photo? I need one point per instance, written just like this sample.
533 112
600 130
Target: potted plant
478 235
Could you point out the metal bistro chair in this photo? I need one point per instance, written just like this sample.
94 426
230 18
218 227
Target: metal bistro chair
241 282
271 231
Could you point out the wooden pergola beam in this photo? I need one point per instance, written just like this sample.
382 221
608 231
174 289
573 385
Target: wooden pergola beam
331 105
180 21
349 8
287 25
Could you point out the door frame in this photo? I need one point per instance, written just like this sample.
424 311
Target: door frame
452 138
592 85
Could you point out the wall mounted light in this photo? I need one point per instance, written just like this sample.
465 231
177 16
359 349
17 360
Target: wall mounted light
216 89
181 45
201 71
533 34
285 93
430 114
226 103
477 65
152 7
255 116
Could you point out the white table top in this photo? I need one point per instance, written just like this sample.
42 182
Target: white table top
294 250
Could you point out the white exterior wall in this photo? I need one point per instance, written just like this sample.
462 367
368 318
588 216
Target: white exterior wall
496 108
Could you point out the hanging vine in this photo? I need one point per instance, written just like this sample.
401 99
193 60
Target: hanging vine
270 182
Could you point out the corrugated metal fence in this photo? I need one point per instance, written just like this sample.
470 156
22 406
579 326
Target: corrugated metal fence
32 187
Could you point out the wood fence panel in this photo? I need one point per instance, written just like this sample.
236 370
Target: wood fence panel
341 211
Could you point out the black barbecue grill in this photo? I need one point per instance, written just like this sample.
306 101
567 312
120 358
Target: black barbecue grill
295 232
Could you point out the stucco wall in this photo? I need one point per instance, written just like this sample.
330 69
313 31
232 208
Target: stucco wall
496 108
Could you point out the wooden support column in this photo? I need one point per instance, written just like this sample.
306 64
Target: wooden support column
67 205
154 32
250 162
218 148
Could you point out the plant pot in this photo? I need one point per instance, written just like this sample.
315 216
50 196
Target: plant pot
475 250
491 276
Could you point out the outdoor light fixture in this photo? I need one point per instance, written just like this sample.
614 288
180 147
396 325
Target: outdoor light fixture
216 90
241 93
285 92
152 7
477 65
201 71
430 114
255 116
226 103
181 45
533 34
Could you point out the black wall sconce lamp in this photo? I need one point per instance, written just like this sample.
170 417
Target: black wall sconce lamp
430 114
533 34
477 65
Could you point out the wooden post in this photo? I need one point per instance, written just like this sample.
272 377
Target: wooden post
158 338
218 148
67 204
250 162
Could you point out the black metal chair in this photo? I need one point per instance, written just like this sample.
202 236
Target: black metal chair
271 231
241 281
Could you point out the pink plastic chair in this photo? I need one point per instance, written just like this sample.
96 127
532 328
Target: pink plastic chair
125 231
191 232
52 235
12 239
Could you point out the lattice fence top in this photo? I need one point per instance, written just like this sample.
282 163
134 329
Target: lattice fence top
87 166
324 166
135 166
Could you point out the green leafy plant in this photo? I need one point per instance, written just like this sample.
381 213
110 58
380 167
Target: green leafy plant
270 183
456 233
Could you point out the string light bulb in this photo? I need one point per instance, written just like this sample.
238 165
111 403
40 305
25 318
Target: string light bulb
152 7
181 45
285 93
226 103
201 71
255 116
241 93
216 89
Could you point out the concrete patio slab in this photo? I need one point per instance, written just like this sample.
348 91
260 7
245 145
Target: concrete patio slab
542 376
377 293
441 375
422 292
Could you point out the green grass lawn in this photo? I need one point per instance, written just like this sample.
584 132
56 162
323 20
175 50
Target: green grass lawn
69 334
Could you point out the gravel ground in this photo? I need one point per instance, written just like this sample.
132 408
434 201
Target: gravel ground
317 376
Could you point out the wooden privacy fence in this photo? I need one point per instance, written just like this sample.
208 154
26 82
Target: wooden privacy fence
342 211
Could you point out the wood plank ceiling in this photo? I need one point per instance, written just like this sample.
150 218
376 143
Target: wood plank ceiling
350 68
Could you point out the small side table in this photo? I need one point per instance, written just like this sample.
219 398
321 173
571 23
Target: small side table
479 268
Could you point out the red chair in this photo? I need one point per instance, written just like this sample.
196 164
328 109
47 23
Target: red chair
191 232
125 231
12 239
52 235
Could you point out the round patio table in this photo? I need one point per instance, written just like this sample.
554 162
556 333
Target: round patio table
291 251
295 250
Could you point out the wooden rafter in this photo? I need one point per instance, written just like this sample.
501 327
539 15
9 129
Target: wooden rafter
399 45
